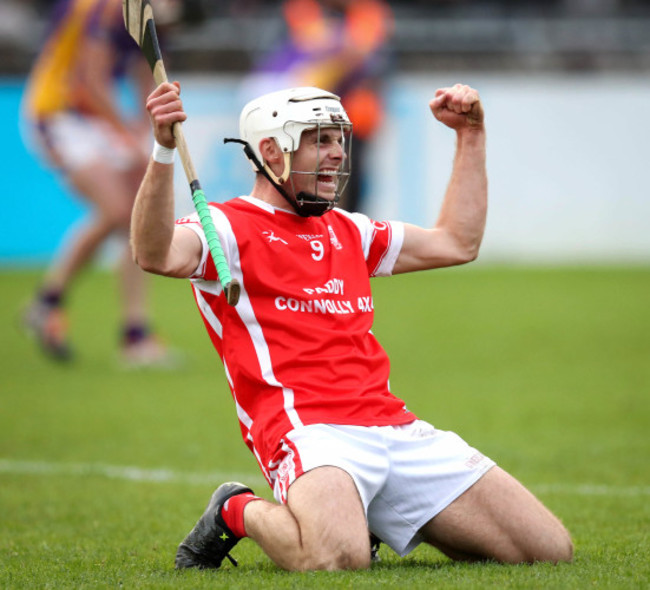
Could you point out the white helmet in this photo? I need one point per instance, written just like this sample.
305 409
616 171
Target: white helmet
284 115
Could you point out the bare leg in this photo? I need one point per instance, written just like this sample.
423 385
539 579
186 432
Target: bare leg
133 278
77 254
107 191
322 526
112 193
133 289
498 518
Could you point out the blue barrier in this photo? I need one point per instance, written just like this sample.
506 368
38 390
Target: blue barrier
567 184
36 207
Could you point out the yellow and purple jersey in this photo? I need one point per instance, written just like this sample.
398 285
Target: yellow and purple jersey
56 82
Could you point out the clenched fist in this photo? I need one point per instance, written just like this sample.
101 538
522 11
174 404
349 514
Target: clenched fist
458 107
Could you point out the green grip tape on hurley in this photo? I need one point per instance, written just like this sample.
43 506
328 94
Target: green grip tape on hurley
214 244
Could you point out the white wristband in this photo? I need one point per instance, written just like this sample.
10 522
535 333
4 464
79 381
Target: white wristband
162 154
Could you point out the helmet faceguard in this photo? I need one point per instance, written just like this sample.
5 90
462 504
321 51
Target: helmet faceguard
284 116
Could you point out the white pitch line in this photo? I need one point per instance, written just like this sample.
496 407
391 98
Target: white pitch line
130 473
124 472
592 490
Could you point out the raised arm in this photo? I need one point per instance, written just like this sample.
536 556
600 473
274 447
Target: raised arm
158 245
457 234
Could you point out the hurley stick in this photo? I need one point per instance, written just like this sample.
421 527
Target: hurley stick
138 18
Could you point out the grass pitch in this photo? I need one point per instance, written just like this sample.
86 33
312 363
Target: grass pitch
103 471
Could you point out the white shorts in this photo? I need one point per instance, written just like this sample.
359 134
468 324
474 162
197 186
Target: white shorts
77 141
405 474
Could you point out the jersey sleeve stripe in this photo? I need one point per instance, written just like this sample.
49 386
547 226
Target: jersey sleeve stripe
387 262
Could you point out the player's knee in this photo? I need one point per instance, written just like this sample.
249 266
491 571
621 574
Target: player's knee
340 561
563 549
342 558
556 549
357 560
560 547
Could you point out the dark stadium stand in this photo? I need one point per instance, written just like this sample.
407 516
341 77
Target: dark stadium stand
429 34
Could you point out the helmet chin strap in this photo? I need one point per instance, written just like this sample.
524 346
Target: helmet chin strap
305 204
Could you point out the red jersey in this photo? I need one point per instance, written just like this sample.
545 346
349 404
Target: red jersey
298 347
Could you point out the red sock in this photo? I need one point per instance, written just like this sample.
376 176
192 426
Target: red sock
233 512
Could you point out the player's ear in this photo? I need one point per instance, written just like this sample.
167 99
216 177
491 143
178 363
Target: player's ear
274 159
270 150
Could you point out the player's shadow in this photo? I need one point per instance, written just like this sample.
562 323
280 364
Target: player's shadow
389 564
425 564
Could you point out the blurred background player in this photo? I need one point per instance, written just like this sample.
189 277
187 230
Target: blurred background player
340 46
81 130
